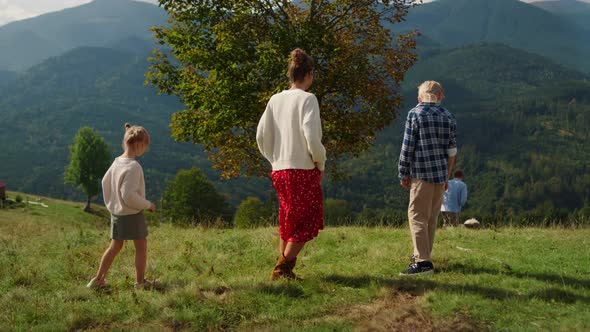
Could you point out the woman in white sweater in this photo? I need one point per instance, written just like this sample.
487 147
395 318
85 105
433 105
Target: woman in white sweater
289 136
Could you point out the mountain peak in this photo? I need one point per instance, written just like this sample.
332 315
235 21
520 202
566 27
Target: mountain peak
98 23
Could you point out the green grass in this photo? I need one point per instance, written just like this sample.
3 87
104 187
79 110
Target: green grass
213 279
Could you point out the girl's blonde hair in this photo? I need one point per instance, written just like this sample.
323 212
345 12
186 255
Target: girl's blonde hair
429 90
135 134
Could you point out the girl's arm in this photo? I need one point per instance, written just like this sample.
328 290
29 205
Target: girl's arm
130 191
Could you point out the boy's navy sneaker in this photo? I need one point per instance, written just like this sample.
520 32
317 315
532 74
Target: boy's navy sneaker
420 268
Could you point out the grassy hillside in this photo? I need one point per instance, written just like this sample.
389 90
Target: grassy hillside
496 279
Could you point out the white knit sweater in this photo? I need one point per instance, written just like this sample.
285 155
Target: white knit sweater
289 133
123 188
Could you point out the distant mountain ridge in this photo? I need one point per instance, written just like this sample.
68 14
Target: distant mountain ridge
455 23
489 71
98 23
573 10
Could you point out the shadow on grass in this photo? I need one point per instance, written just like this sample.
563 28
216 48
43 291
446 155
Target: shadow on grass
289 290
545 277
99 213
417 286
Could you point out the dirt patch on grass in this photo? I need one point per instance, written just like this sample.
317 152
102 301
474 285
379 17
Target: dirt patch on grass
398 311
403 312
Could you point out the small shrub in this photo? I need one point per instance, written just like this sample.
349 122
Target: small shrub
252 213
191 198
18 199
337 212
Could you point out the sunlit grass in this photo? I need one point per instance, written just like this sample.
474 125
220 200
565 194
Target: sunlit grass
504 279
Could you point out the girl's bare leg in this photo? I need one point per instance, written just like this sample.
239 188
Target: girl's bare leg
140 259
108 257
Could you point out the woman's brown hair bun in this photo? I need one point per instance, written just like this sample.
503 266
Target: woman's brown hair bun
298 56
300 64
127 126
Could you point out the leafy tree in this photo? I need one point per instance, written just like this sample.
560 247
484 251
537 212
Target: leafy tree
224 59
191 197
252 213
90 158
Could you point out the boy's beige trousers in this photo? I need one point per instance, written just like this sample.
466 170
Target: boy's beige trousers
425 201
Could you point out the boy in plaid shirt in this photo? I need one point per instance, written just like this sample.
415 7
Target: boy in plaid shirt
426 159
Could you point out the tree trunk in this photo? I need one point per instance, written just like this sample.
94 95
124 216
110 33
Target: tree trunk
87 208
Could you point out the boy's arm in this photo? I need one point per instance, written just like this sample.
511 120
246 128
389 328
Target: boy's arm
407 152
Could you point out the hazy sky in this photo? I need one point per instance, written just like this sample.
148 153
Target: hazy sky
12 10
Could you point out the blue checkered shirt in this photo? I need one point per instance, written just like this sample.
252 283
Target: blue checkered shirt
430 132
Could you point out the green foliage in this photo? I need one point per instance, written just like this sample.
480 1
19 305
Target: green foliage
192 198
18 199
337 212
226 58
252 213
89 160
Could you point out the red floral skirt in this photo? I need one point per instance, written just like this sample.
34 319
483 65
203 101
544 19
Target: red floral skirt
301 203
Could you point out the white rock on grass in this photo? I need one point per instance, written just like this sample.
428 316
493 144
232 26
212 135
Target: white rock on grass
472 223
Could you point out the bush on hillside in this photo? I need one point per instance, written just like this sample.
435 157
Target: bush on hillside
337 212
191 198
252 213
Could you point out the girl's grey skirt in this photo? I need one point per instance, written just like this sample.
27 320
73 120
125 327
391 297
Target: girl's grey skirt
129 227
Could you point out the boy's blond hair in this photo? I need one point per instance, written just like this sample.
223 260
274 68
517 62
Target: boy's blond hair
429 91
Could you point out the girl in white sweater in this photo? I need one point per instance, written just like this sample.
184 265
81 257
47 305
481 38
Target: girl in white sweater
123 189
289 136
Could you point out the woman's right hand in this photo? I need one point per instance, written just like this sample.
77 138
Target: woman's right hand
152 208
321 172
